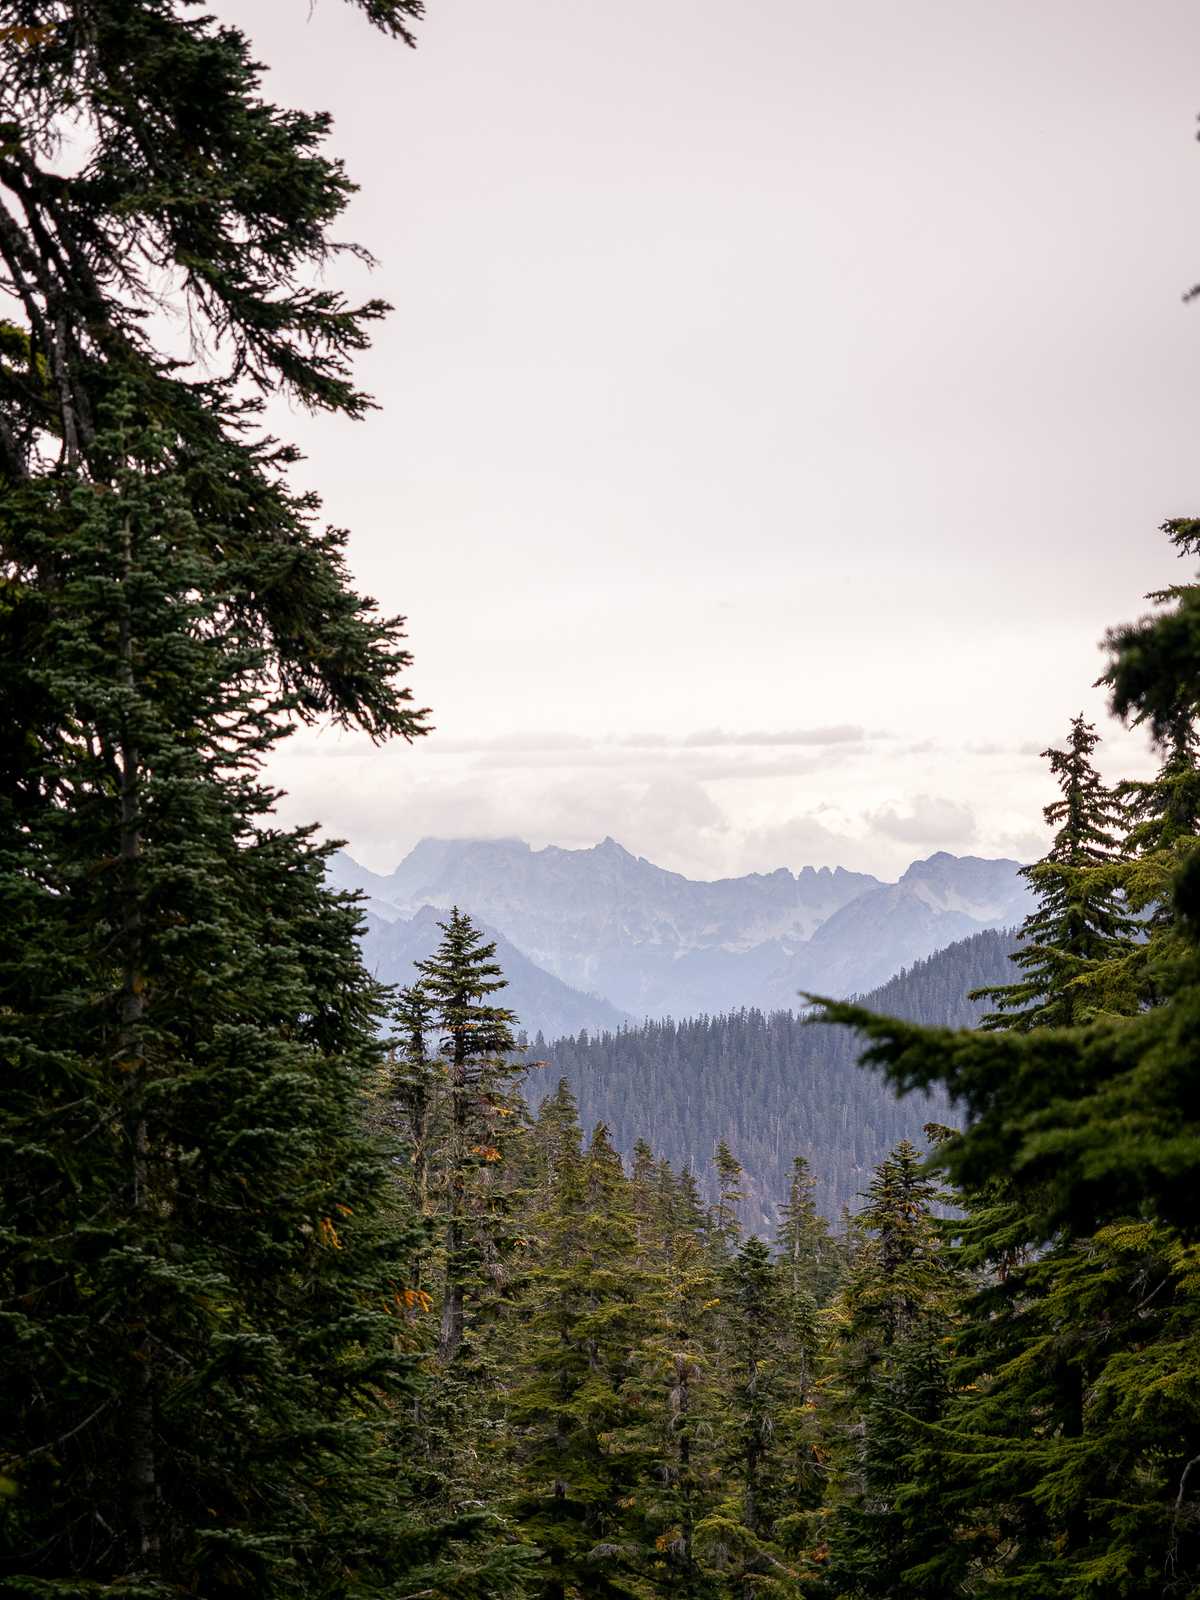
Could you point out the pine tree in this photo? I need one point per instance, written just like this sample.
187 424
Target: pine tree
680 1369
724 1224
556 1139
413 1080
887 1375
737 1542
803 1241
478 1169
203 1370
478 1043
1163 820
579 1408
688 1213
1074 946
1084 1440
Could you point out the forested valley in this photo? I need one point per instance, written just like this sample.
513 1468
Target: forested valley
760 1079
298 1296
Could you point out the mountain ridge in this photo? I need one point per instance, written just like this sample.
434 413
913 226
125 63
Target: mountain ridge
652 942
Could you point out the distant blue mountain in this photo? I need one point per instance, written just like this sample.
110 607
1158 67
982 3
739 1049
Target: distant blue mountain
540 1000
613 928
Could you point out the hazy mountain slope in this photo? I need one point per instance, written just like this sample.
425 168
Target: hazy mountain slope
936 902
655 943
771 1084
606 921
540 1000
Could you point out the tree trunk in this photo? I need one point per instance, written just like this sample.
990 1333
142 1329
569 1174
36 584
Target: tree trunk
453 1305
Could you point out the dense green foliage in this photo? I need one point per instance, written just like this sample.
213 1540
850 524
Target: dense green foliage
772 1085
204 1363
1077 941
1074 1434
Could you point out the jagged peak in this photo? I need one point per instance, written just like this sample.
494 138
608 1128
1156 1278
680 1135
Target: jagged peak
940 859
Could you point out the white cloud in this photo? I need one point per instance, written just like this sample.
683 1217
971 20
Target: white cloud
841 733
817 839
929 820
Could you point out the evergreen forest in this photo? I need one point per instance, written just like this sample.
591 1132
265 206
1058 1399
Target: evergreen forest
301 1296
755 1079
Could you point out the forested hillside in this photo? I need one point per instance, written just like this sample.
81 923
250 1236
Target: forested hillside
771 1084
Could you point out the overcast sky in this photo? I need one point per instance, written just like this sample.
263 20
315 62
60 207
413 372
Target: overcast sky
780 402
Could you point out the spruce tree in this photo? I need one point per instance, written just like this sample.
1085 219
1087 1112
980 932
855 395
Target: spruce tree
1092 1134
886 1375
203 1368
737 1542
414 1110
477 1173
803 1241
724 1223
579 1408
1073 946
1163 814
681 1370
480 1051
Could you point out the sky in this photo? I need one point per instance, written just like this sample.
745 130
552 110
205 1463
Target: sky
780 402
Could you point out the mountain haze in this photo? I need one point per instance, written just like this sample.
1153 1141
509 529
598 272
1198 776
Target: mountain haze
654 943
540 1000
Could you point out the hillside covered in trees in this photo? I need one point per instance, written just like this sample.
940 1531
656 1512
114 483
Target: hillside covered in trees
772 1086
299 1298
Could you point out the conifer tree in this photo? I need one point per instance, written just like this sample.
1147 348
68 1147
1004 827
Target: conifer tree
738 1540
725 1225
414 1086
579 1409
649 1201
1080 928
479 1047
802 1240
1093 1133
688 1213
887 1374
556 1139
478 1170
1163 820
204 1316
681 1371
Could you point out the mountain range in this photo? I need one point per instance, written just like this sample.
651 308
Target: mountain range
591 937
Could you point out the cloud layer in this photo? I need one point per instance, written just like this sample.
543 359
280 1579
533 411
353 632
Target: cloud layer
748 804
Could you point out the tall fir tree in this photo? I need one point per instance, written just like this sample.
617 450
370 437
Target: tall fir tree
579 1408
737 1541
806 1250
201 1282
1090 1137
479 1047
412 1104
887 1373
1074 946
724 1220
475 1181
